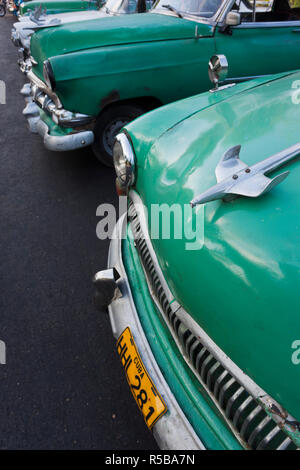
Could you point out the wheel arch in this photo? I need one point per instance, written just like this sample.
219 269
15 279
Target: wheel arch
112 101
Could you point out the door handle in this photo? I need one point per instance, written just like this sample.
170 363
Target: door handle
296 30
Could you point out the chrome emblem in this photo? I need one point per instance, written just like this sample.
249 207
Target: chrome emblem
235 178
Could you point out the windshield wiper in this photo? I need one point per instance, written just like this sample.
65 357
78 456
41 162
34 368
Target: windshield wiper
169 7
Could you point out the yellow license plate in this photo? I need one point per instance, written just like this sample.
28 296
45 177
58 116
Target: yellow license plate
144 391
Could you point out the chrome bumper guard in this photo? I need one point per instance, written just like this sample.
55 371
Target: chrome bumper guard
24 62
172 431
38 126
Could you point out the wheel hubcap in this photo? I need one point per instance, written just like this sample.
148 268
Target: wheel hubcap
110 132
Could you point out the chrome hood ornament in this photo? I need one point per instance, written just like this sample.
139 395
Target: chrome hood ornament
38 15
235 178
40 18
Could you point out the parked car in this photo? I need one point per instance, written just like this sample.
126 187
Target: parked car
208 335
57 6
23 30
89 81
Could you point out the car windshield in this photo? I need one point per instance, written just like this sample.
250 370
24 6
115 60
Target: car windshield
124 6
203 8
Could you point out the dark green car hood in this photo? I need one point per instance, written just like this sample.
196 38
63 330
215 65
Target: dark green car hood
54 6
125 29
242 286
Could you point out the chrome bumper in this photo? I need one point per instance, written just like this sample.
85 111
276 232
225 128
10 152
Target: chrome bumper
59 143
64 143
173 431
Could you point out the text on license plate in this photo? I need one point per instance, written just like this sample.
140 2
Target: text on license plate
144 391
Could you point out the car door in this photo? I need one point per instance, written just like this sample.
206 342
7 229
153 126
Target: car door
264 43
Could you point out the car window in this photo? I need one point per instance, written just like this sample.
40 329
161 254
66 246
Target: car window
202 8
268 10
126 6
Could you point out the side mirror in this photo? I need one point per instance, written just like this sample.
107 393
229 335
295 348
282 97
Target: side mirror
217 70
233 18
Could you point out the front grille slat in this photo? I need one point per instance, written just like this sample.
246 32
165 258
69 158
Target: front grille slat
211 373
200 358
259 428
285 444
224 376
249 419
240 410
245 414
268 438
205 366
232 400
224 389
195 349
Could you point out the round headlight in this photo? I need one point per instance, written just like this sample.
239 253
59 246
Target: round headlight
124 161
49 75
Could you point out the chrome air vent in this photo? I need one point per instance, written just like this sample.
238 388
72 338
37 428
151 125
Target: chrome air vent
246 416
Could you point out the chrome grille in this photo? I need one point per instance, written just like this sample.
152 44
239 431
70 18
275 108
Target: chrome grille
245 415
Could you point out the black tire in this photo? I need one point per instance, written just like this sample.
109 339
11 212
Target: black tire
108 125
2 10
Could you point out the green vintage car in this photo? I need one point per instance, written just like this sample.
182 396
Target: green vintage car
208 325
57 6
23 30
89 79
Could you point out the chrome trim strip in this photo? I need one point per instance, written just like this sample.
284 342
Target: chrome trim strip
244 79
267 24
172 431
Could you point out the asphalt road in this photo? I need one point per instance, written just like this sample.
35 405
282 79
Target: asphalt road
62 386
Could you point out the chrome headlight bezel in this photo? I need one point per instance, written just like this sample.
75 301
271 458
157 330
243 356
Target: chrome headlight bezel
49 75
124 161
